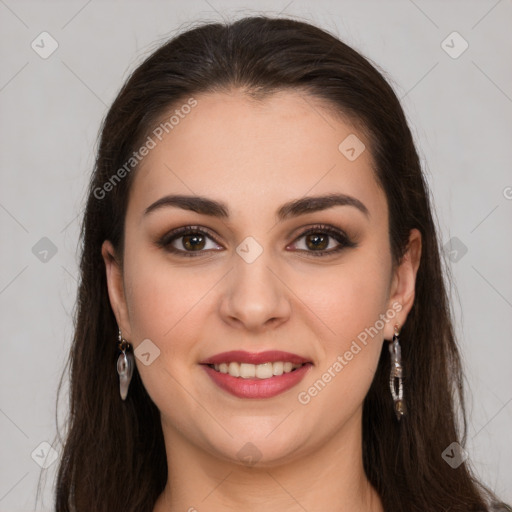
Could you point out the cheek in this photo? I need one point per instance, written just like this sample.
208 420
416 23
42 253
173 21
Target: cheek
352 300
169 305
355 306
350 297
166 302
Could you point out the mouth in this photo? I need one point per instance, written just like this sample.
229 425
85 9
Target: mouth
259 371
256 375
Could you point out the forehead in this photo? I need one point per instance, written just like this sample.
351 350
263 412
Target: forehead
231 147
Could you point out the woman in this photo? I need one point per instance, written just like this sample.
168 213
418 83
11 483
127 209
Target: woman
262 320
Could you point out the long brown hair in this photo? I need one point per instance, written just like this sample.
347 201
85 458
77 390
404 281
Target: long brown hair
114 455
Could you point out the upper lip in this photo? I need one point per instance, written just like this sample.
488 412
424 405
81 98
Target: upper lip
241 356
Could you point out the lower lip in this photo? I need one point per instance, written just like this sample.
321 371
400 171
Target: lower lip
257 388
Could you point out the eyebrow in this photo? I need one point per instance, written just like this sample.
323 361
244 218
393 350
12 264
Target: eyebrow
308 204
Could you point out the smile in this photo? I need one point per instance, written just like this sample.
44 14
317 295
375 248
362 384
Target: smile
259 371
256 374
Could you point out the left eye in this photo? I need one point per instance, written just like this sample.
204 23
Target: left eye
319 241
316 241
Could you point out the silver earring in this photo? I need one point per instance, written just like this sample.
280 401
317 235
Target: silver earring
125 364
395 378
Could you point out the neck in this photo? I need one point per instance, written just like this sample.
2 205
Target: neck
328 477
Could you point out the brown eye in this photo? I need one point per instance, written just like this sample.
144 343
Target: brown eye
317 241
194 242
189 241
323 240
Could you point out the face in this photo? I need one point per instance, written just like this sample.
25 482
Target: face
266 269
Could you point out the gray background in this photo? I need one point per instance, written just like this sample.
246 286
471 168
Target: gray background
51 109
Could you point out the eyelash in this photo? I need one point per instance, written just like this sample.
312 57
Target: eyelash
338 235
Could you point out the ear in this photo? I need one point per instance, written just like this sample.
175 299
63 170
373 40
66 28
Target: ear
403 284
115 286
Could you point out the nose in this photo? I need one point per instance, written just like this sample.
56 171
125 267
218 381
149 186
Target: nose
255 296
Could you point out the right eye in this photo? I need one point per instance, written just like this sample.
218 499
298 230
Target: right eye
188 241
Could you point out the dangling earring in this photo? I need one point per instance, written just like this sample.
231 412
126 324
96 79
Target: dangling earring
125 365
395 378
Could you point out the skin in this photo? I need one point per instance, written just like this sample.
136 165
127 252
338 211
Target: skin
255 156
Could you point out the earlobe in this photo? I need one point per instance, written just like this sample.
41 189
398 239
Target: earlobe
116 287
404 282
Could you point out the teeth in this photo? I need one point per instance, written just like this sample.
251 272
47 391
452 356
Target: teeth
278 368
247 371
234 369
264 371
260 371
